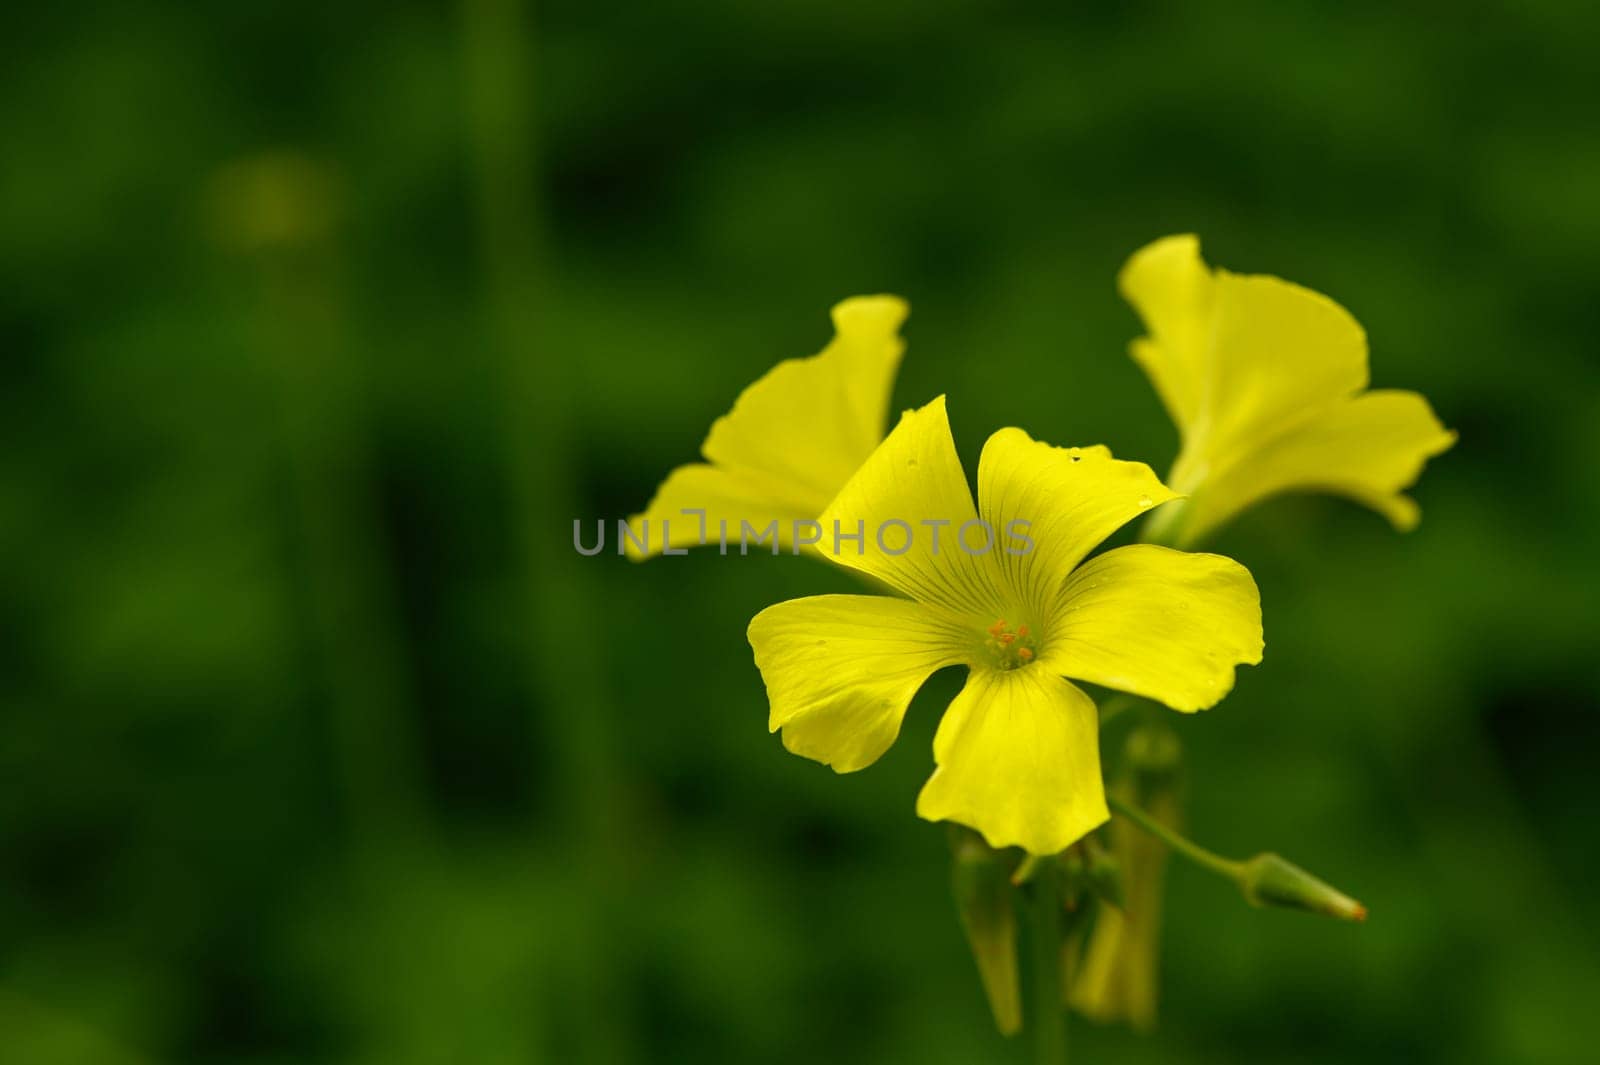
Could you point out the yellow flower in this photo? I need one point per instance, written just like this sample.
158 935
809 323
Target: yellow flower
1017 751
791 440
1267 382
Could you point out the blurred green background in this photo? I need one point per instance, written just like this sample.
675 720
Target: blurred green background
321 323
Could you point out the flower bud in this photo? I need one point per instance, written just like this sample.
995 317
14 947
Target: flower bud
984 895
1102 872
274 202
1272 880
1116 979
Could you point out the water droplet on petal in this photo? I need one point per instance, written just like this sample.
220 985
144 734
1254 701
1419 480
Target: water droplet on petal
1145 502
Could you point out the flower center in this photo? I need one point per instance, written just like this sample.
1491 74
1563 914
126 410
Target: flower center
1010 648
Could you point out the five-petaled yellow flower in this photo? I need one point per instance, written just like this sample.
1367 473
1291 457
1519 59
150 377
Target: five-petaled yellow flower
1018 750
791 440
1267 384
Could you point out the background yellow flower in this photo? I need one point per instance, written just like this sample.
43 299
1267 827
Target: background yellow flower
791 440
1267 384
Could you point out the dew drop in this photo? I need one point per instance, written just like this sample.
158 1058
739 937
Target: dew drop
1145 502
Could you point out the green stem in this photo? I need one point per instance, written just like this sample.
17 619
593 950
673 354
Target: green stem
327 433
575 751
1049 1020
1223 867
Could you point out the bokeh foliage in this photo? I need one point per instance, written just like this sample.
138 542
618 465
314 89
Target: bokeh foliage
321 323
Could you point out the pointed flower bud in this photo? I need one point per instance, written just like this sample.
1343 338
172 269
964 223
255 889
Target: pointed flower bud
1272 880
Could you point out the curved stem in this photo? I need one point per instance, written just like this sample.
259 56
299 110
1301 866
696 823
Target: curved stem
1224 867
1049 1020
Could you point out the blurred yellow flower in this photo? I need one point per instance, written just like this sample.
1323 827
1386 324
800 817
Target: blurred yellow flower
791 440
1018 750
1267 384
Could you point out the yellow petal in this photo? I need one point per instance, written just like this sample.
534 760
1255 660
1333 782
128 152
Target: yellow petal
1279 354
1236 356
840 671
1019 760
1265 380
1064 500
797 434
1368 449
812 421
1171 288
730 500
911 505
1168 625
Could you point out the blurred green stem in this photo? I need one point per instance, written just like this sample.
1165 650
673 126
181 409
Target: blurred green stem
499 40
1268 879
1197 854
1115 706
1049 1019
352 603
